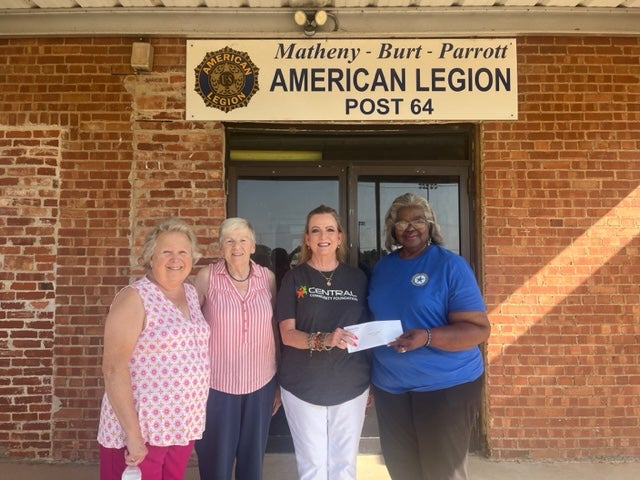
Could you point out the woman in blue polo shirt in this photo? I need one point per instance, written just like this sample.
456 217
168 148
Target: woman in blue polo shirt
427 383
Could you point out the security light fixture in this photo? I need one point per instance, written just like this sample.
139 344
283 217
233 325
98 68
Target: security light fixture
310 21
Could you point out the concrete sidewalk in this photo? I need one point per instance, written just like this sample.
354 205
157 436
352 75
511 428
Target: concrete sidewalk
370 467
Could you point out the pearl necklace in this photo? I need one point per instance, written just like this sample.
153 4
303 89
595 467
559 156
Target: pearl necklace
226 267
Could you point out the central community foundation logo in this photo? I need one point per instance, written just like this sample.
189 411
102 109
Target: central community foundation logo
226 79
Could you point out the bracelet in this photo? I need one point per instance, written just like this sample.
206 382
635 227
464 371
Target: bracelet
312 340
428 338
310 343
325 347
317 342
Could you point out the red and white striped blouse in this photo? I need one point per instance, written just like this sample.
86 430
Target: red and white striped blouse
241 344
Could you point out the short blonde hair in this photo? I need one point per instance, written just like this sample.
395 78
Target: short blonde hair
410 200
170 224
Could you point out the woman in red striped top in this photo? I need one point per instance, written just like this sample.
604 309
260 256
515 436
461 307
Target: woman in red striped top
237 297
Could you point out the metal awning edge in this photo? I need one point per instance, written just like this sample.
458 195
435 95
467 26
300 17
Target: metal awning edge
352 23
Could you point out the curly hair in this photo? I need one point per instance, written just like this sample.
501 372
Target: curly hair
171 224
410 200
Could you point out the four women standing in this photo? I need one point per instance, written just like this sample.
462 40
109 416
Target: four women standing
427 385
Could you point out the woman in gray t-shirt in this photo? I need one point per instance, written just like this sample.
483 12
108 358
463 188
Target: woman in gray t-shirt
324 388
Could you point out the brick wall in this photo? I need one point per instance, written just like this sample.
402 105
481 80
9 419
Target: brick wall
127 159
92 154
29 198
561 205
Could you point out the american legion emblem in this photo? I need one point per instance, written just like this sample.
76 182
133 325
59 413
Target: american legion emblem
226 79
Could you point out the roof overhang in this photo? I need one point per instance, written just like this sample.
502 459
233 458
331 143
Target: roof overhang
351 22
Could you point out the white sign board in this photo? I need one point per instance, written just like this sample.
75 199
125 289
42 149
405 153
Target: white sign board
352 80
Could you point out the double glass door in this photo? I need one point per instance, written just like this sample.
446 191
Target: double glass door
277 206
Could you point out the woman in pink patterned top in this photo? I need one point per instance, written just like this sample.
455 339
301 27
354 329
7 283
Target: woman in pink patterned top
155 364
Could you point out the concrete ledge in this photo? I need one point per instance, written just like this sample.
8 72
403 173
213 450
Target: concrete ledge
370 467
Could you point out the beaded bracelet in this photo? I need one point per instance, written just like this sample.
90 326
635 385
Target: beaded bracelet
428 338
324 342
317 342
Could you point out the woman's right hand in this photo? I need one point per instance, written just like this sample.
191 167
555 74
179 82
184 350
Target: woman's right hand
136 451
341 338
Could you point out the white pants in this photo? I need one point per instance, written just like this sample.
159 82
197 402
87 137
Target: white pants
325 439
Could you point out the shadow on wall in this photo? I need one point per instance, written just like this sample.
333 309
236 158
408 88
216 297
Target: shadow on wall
562 374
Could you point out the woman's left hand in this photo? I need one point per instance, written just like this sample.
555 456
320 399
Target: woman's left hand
410 340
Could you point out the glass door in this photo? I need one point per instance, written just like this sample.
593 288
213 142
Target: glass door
277 208
373 189
375 195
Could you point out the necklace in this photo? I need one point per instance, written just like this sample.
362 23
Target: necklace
328 279
226 267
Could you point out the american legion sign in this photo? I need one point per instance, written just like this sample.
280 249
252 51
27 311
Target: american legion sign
352 80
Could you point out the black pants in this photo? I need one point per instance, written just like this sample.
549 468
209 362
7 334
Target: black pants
425 435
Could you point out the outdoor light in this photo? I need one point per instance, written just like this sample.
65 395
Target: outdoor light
310 21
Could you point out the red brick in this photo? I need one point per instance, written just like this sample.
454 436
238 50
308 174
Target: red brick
89 166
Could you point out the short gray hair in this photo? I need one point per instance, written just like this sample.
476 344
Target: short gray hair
171 224
233 223
410 200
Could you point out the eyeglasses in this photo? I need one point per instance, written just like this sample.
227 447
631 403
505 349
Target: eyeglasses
418 224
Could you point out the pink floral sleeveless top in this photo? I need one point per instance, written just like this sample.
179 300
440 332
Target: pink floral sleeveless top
169 370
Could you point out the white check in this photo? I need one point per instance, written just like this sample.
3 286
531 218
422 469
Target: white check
373 334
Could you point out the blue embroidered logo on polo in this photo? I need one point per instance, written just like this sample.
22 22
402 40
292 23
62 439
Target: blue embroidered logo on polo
419 279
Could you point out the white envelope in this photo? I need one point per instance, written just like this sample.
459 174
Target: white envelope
374 334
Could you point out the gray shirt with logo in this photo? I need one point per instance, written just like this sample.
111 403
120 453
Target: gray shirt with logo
327 377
